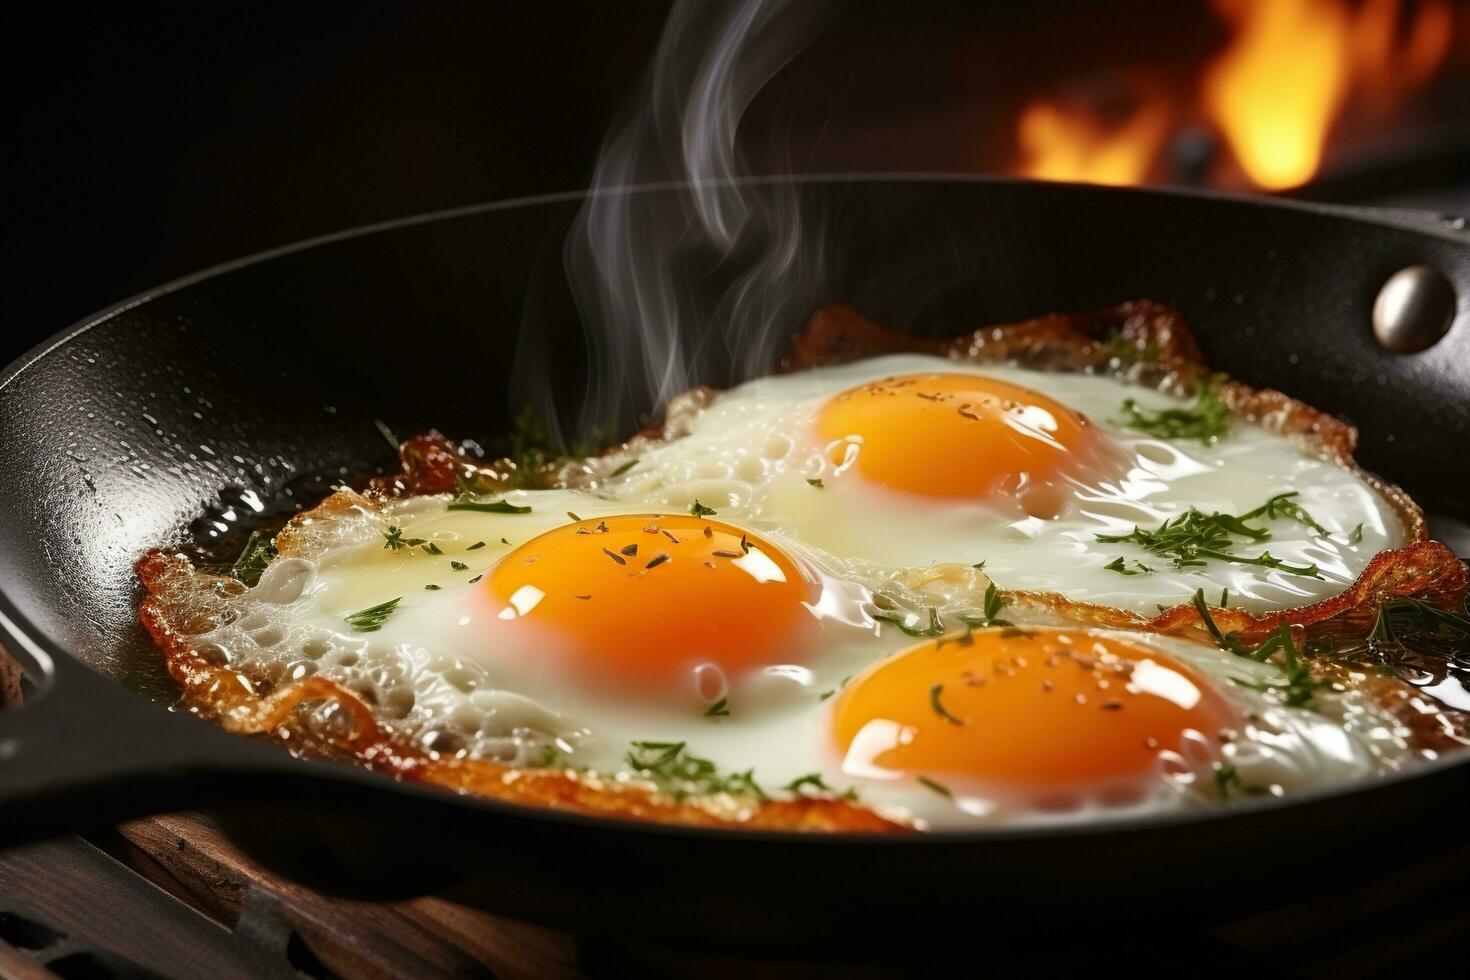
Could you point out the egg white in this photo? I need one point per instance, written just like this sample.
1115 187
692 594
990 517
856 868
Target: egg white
753 451
431 669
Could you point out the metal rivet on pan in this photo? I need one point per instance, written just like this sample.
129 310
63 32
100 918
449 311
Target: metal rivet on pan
1413 310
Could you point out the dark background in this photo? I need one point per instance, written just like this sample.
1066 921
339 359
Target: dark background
147 142
143 145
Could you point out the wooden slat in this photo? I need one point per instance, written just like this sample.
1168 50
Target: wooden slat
187 855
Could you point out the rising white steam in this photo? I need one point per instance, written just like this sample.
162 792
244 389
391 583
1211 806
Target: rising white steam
697 282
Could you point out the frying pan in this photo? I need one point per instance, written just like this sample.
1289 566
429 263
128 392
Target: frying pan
179 410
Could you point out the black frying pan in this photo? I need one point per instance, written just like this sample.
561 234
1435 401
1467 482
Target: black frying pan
145 423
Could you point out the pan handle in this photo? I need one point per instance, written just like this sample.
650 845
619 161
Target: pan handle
86 752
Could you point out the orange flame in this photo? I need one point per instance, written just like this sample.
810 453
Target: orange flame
1277 89
1073 144
1290 70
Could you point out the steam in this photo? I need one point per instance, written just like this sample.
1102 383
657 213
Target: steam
699 280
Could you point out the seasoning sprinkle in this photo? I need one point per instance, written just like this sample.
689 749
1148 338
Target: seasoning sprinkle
476 546
726 554
657 560
939 788
614 556
459 566
938 706
630 550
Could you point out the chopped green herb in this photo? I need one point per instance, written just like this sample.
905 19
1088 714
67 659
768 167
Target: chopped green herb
476 546
1193 537
1412 637
477 578
393 538
720 709
994 602
574 516
700 510
900 618
1299 687
387 434
1206 420
815 483
1117 565
459 566
939 788
492 507
814 781
682 775
827 694
258 551
1283 506
938 705
1355 536
431 588
624 468
371 619
430 547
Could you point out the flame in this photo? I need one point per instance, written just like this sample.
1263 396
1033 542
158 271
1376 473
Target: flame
1288 72
1388 73
1074 144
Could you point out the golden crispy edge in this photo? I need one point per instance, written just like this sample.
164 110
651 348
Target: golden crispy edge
184 602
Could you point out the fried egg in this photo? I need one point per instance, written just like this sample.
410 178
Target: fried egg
910 460
508 634
559 627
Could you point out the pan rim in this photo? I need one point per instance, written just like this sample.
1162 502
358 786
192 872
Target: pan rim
1424 223
1419 222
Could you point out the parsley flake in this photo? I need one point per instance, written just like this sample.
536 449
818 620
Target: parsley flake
1192 538
490 507
1206 420
258 551
371 619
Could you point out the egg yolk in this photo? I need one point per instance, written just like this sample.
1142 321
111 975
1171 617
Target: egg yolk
645 602
1043 711
962 436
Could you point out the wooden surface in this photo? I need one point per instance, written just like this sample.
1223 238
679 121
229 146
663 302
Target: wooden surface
168 896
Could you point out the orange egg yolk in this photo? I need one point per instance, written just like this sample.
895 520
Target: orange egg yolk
1043 711
643 602
963 436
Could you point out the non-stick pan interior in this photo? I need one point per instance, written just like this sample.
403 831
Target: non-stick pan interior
187 411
